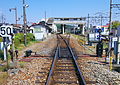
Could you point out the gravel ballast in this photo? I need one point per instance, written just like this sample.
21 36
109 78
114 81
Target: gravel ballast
94 69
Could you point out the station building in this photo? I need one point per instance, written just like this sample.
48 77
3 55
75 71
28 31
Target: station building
40 30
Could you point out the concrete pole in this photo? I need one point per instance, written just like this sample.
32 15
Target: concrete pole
16 16
83 30
2 17
118 57
25 23
110 27
78 27
4 45
63 29
101 20
88 21
45 18
15 9
54 27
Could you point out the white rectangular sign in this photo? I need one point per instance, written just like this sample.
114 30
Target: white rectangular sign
93 37
6 30
114 39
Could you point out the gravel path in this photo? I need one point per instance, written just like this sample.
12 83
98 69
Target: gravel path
42 48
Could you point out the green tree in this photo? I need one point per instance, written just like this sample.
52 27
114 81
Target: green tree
115 24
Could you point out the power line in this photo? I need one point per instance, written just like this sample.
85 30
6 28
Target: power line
97 19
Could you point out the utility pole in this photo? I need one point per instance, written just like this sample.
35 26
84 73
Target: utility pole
25 22
88 21
110 27
110 30
110 19
2 18
101 20
15 14
100 17
45 17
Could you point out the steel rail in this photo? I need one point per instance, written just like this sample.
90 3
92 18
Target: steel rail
49 78
81 78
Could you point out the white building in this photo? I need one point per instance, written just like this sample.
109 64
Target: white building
40 31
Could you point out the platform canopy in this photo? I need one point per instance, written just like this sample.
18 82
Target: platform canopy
66 20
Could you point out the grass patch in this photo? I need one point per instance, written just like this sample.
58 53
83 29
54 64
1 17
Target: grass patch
21 46
3 78
33 42
3 68
81 39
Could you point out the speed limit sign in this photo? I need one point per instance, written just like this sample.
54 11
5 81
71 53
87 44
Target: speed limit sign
6 30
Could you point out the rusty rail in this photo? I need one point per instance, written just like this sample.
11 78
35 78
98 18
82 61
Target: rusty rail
50 79
81 78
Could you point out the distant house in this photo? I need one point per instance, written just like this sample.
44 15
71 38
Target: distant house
40 31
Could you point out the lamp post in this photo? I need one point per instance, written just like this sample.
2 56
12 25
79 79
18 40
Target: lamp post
2 18
13 49
15 9
24 21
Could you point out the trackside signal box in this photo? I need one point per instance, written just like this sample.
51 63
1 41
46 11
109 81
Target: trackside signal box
99 49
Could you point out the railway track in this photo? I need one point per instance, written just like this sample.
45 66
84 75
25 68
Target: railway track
64 69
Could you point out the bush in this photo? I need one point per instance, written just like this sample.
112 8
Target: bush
19 38
3 68
30 37
1 39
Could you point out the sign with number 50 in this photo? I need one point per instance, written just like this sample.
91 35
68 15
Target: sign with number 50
5 31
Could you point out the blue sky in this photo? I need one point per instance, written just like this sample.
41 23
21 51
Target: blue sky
53 8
